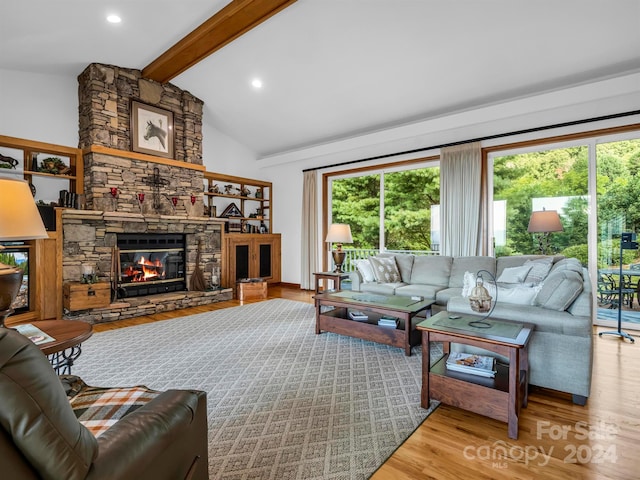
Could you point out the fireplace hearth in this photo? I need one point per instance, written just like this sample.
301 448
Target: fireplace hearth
151 264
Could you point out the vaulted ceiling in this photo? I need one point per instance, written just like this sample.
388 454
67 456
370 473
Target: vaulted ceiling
333 69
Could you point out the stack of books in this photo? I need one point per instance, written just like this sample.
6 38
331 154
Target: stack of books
388 322
482 365
358 316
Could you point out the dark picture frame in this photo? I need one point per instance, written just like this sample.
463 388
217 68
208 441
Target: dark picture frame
151 130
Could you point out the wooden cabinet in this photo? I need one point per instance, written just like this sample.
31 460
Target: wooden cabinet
251 256
244 203
49 169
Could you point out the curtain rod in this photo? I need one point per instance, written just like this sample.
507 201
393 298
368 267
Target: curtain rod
479 139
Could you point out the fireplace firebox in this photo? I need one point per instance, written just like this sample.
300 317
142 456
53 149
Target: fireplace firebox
151 264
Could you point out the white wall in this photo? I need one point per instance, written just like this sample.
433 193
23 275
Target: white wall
223 154
39 107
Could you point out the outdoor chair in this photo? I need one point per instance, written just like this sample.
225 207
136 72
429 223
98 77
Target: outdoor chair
609 291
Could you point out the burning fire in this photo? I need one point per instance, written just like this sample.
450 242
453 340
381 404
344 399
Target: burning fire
151 270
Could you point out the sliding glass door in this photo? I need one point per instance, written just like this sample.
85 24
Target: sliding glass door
618 212
594 185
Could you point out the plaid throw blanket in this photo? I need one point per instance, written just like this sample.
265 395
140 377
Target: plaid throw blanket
97 408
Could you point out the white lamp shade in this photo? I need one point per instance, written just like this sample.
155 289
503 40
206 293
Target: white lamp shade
544 221
339 233
19 216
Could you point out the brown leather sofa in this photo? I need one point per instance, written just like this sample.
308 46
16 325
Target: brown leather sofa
40 437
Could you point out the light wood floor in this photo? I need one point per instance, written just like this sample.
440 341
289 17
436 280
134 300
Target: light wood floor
557 439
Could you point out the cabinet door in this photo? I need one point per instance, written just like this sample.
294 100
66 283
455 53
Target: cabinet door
265 259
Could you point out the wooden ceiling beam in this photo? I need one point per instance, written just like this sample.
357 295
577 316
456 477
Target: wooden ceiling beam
237 18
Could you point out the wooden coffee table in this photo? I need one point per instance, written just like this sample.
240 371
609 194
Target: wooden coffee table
332 316
66 348
500 397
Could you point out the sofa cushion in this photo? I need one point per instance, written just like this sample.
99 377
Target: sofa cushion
365 269
381 288
385 269
431 270
570 264
539 270
460 265
559 290
405 265
514 274
428 292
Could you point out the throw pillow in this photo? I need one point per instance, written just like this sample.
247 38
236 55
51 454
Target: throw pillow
469 281
518 295
559 290
514 274
539 270
385 269
364 267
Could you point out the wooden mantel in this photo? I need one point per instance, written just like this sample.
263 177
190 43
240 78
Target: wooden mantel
143 157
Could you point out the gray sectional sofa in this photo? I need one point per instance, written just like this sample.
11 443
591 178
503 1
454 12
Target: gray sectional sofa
553 293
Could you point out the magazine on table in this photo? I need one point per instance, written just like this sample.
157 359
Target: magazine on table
34 334
474 364
358 316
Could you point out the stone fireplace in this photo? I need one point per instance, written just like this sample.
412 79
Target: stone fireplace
129 195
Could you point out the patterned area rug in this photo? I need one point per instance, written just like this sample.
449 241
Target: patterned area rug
283 402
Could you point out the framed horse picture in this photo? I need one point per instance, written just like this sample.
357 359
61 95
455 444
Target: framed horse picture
151 130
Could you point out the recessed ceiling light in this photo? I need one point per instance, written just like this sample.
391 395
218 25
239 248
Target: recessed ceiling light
114 19
256 83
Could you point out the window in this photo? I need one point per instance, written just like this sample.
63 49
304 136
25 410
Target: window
389 209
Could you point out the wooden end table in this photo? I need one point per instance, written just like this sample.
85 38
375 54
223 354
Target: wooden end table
499 398
336 277
66 348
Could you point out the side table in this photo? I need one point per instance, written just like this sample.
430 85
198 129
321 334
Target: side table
499 398
335 277
66 348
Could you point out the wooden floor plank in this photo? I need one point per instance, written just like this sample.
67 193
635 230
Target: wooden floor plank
557 439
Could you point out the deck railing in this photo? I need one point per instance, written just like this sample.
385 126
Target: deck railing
354 254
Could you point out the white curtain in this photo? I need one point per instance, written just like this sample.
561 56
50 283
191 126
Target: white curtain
461 200
309 231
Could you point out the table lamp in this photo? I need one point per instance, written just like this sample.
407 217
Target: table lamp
19 220
543 222
339 233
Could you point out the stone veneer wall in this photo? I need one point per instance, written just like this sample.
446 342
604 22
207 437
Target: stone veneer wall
89 238
103 171
105 93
